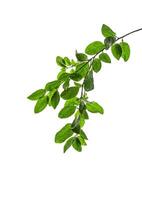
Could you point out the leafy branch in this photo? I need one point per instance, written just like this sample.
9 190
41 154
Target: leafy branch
76 76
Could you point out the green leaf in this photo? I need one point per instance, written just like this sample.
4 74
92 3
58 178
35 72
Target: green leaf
75 76
81 56
94 47
67 111
75 122
37 94
60 61
82 121
82 141
82 107
83 135
67 61
105 58
125 50
55 99
89 82
96 65
94 107
82 68
70 93
66 84
109 41
77 144
116 51
52 85
107 31
63 134
76 129
68 144
63 77
41 104
85 114
72 102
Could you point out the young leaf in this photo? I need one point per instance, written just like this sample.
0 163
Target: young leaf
96 65
68 144
63 134
116 51
37 94
105 58
81 56
70 93
94 107
55 99
67 61
77 144
60 61
67 111
82 141
66 84
83 135
89 81
52 85
75 76
125 50
41 104
107 31
94 48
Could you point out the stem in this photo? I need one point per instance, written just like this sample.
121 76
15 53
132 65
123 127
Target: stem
119 38
140 29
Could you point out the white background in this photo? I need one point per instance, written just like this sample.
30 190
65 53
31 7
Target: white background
32 166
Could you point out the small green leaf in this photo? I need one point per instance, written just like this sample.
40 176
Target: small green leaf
75 76
94 107
105 58
37 94
82 141
89 81
60 61
70 93
96 65
68 144
63 134
81 56
67 111
41 104
77 144
72 102
107 31
83 135
116 51
67 61
109 41
52 85
66 84
75 122
94 48
85 114
125 50
55 99
82 107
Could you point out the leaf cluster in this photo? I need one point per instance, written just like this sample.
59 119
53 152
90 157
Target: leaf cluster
74 80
